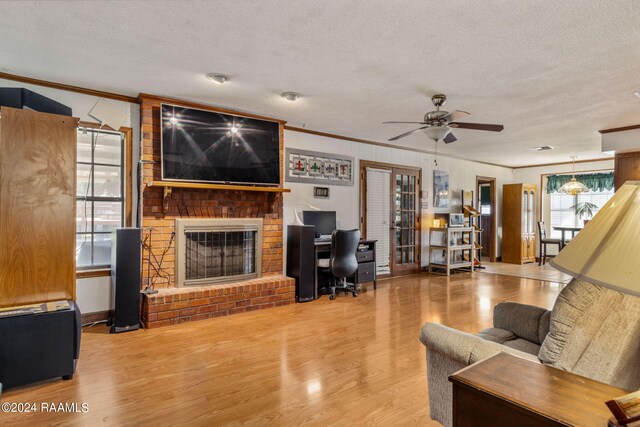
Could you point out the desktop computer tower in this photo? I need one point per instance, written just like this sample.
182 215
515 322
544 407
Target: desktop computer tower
301 263
126 259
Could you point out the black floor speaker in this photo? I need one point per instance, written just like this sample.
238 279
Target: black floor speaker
301 261
126 261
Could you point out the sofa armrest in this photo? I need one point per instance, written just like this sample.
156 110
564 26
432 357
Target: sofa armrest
463 347
525 321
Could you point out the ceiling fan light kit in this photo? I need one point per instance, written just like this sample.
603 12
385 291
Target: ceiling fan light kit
437 133
437 124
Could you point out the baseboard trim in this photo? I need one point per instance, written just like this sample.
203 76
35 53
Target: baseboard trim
95 317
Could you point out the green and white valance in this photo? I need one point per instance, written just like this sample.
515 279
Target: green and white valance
594 181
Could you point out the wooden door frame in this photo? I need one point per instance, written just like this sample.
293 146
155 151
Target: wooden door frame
362 204
494 220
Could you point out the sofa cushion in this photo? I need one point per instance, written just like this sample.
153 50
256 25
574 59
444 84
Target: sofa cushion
523 345
521 319
496 335
507 338
595 332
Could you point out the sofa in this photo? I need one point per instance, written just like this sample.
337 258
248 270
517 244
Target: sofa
591 331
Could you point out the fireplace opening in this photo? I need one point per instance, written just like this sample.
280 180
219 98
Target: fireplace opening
217 250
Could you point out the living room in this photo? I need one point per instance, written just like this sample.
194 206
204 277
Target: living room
488 101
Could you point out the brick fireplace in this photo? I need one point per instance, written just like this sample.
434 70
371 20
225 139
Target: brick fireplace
161 208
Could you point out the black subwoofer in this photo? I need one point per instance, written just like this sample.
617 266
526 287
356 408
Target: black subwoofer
126 264
301 261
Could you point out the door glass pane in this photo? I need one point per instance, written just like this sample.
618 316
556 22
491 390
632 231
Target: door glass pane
108 148
83 216
412 180
405 183
398 184
83 181
411 255
101 249
399 255
411 236
84 147
83 250
107 216
107 181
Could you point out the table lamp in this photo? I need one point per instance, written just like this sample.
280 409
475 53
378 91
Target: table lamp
607 250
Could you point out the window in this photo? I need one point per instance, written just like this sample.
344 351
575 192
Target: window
562 213
100 200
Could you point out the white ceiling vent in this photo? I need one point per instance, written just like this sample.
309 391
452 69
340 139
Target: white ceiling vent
542 148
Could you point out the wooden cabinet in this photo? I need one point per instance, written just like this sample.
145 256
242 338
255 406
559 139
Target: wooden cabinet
627 168
38 207
519 223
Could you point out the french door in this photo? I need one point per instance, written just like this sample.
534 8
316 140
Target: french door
405 247
390 214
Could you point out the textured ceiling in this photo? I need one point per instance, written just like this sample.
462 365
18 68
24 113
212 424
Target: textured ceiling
552 72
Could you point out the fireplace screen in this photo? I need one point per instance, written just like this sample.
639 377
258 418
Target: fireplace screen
213 254
216 250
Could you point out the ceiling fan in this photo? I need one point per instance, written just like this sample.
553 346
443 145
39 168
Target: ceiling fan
437 124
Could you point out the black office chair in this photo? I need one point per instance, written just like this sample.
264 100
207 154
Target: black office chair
343 262
544 241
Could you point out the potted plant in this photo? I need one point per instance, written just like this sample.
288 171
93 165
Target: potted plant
584 210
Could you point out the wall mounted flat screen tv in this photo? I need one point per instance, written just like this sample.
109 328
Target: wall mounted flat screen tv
204 146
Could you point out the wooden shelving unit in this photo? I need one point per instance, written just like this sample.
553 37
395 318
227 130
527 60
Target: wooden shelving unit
456 247
168 187
473 220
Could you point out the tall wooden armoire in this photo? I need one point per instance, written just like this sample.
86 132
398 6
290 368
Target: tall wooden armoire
37 207
519 223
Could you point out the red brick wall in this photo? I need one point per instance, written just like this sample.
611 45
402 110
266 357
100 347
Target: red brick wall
198 203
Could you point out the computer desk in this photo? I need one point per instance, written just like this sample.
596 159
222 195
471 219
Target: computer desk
366 255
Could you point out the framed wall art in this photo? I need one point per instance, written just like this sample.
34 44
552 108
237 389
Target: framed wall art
314 167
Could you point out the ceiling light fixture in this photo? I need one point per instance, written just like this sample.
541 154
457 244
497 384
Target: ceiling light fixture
637 93
573 187
437 133
217 78
290 96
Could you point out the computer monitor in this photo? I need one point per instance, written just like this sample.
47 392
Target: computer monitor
324 221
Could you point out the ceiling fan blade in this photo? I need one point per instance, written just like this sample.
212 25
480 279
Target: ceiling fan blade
456 115
407 133
415 123
477 126
449 138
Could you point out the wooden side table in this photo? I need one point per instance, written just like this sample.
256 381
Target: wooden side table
506 390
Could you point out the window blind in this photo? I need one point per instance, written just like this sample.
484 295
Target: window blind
562 213
378 195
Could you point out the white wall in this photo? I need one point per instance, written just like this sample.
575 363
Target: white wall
93 294
345 200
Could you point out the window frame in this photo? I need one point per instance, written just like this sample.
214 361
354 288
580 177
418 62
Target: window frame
127 191
544 210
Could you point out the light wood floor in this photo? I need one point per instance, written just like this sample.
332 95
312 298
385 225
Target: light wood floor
529 271
351 361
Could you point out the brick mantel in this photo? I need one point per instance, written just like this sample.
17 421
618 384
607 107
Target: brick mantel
199 203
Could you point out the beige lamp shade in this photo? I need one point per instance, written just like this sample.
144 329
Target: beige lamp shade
607 251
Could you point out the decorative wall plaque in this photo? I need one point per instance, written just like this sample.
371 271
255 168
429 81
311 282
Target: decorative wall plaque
314 167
